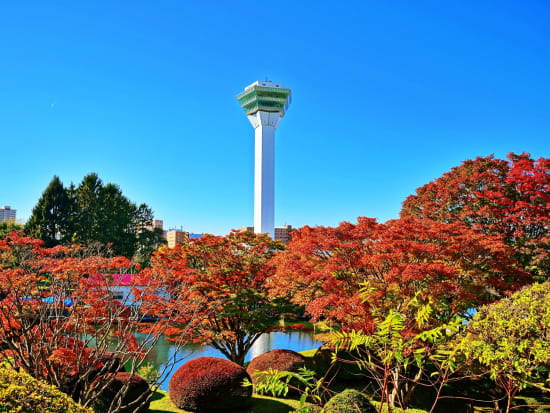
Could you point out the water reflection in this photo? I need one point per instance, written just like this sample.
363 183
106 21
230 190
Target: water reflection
292 340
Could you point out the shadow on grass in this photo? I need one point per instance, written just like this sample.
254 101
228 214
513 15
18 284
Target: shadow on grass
260 404
160 403
157 396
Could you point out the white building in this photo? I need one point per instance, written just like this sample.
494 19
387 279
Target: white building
7 214
265 103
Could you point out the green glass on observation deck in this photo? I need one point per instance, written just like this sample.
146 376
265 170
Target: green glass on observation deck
267 99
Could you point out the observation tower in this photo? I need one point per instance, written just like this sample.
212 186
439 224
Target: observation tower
265 103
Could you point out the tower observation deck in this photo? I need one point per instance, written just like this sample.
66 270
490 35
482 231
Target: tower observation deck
265 103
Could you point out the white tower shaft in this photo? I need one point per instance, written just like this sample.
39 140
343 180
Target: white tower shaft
265 103
265 124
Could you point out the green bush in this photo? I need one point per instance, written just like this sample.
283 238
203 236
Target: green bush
349 401
509 338
20 392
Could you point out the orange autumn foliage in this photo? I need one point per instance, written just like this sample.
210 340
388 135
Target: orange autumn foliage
505 198
221 282
324 269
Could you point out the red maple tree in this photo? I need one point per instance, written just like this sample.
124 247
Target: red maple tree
61 321
227 303
510 199
454 267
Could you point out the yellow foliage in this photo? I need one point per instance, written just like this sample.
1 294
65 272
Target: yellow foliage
21 393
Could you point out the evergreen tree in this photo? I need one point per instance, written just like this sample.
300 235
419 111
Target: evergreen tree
50 218
94 213
148 238
105 215
88 212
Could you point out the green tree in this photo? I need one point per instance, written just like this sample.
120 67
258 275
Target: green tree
149 238
396 359
7 227
89 210
105 215
50 219
94 213
511 340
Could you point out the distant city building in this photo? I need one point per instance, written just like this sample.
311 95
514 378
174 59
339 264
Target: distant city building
7 214
155 223
175 237
282 234
246 229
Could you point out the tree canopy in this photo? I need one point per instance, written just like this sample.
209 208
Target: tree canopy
226 278
511 340
94 212
64 320
510 199
52 217
326 269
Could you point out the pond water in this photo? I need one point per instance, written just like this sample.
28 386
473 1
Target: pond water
291 340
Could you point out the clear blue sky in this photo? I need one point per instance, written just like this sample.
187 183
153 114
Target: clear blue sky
386 97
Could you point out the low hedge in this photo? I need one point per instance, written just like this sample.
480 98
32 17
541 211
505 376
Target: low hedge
209 384
20 392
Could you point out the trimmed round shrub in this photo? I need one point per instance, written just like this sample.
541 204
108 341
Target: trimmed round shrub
137 387
282 360
209 384
20 392
349 401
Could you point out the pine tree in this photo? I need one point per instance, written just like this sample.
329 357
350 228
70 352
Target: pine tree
51 217
94 213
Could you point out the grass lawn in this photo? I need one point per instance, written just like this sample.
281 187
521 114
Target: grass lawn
259 404
308 353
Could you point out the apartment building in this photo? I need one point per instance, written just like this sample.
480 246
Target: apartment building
175 237
282 234
7 214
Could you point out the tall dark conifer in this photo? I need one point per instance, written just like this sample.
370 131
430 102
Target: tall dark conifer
92 213
50 218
